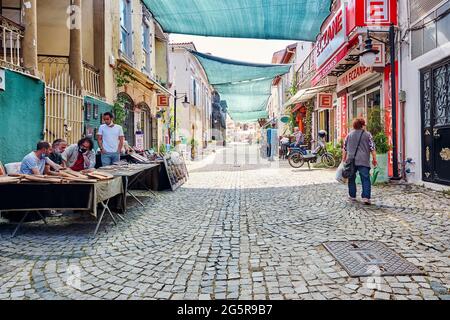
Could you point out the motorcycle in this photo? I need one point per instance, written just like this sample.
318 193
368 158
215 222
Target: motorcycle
297 156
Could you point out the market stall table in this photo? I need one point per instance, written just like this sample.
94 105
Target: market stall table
132 175
30 196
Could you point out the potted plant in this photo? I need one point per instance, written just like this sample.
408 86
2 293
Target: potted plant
382 146
193 143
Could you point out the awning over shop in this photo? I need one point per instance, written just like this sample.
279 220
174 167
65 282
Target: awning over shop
307 94
266 19
245 86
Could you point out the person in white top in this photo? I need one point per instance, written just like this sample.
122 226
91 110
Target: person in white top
110 140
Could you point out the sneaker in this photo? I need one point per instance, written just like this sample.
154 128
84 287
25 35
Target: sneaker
366 201
54 214
352 199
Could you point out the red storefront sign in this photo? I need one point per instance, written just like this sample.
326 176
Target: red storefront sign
388 111
325 100
331 38
344 129
355 74
163 100
363 13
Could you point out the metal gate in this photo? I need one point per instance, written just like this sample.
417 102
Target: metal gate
435 87
63 110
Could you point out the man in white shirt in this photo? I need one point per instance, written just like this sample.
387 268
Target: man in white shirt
110 140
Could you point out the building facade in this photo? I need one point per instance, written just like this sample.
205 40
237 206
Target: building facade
424 58
93 57
188 79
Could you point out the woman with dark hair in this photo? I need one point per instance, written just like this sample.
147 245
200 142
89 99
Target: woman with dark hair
80 156
359 145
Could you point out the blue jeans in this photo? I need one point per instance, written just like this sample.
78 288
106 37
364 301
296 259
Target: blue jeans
109 158
364 173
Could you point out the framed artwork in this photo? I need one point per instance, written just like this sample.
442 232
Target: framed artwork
95 111
87 111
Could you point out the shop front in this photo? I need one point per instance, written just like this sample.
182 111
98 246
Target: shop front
362 90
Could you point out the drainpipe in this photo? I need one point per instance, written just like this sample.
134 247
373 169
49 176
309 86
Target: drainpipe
394 103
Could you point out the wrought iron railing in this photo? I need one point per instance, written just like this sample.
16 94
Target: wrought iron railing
91 78
307 69
11 35
53 67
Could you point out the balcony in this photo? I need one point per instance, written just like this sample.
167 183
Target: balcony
11 35
56 68
307 70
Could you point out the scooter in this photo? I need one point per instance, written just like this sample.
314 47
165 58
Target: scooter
297 156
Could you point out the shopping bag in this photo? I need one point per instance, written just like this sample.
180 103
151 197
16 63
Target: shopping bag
375 173
339 176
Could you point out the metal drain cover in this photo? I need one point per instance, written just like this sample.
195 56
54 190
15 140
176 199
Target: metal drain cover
365 258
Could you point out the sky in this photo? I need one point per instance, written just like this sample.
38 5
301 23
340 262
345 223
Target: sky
249 50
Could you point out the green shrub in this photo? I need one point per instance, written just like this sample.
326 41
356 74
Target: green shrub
374 125
336 151
381 143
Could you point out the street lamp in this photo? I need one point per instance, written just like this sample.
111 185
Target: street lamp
369 56
186 105
367 59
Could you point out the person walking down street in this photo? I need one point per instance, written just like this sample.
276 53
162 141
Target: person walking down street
359 145
273 141
110 140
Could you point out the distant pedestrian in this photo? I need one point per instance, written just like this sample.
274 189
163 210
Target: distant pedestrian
273 141
110 140
359 142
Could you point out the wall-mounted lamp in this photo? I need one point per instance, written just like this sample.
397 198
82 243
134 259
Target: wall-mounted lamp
369 56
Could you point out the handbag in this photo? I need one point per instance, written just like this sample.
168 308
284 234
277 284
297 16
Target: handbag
349 165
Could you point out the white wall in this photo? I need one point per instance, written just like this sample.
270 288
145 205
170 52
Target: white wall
410 83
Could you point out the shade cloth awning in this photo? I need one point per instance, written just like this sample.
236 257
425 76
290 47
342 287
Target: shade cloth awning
230 72
306 94
262 19
246 87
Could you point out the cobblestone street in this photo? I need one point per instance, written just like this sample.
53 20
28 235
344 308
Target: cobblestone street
241 228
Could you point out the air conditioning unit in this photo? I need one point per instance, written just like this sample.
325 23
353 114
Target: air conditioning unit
2 79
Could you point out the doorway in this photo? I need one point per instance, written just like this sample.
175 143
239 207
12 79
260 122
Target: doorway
435 96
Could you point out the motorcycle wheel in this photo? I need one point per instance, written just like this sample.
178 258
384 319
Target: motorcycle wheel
329 160
296 160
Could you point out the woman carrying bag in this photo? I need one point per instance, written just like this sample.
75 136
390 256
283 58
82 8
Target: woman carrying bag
356 157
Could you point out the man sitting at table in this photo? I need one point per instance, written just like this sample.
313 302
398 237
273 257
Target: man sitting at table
81 156
35 162
58 148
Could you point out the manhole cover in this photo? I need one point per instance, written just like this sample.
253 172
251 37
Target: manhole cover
366 258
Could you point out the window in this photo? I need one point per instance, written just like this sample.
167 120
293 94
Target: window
146 45
126 44
431 32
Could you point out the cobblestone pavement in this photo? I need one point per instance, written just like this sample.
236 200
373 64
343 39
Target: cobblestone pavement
236 230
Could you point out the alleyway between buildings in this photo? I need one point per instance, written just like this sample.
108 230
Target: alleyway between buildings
241 228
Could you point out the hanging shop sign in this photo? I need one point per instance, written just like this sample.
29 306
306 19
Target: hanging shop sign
352 76
325 100
333 37
365 13
330 65
163 100
380 60
2 79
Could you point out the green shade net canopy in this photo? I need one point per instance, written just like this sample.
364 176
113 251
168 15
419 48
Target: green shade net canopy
258 19
246 87
226 71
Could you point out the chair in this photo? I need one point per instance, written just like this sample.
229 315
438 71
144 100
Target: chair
13 168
